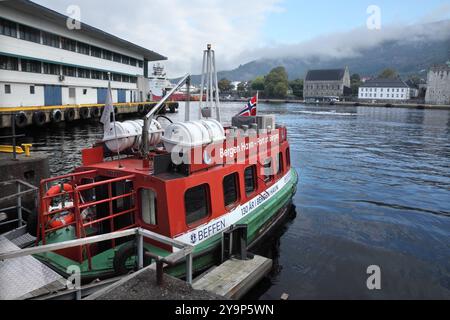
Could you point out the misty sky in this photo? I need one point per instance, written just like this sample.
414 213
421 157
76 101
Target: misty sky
243 30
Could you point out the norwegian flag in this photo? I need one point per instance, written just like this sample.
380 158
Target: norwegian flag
250 109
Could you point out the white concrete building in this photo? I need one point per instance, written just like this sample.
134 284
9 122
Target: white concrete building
43 62
384 90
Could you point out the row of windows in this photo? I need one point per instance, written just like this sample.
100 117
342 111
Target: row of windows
32 90
382 90
35 66
369 95
197 200
9 28
324 86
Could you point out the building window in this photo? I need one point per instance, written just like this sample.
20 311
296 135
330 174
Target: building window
96 52
117 57
148 206
31 66
250 180
125 78
133 62
230 189
50 68
388 90
7 88
125 60
133 79
84 73
50 39
117 77
96 75
30 34
106 76
31 89
196 202
83 48
9 63
68 44
69 71
8 28
107 55
141 64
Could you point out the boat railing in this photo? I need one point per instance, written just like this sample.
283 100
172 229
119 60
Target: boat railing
82 208
21 189
184 252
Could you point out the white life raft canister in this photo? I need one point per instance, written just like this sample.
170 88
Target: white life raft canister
193 134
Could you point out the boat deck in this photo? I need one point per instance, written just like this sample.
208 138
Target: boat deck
25 277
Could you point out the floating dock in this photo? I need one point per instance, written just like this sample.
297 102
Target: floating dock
234 278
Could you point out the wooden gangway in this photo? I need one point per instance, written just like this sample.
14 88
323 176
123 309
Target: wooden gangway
234 278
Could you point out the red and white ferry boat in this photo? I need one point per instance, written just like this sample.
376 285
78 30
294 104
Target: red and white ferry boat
190 182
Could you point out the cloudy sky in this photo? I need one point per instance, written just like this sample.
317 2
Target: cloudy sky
243 30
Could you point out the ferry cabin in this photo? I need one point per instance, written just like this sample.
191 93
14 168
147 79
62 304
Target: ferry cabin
43 62
190 203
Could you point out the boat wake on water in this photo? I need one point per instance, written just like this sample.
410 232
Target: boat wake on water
326 113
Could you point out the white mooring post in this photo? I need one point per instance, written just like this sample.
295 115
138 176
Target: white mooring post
209 87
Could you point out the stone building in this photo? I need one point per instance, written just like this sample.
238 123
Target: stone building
438 85
326 84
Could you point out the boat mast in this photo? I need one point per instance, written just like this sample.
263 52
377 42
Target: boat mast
211 91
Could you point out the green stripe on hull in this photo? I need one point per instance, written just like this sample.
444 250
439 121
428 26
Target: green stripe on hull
102 264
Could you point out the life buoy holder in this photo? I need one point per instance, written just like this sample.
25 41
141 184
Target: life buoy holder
63 218
39 118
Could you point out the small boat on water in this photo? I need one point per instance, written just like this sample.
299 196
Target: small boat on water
191 182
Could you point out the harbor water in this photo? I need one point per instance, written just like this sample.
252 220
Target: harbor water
374 190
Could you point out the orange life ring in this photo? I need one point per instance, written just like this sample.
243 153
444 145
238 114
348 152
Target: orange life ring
59 219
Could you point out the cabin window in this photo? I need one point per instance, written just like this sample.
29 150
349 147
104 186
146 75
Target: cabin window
31 89
280 163
7 88
288 157
196 202
148 206
71 92
250 180
230 189
268 170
